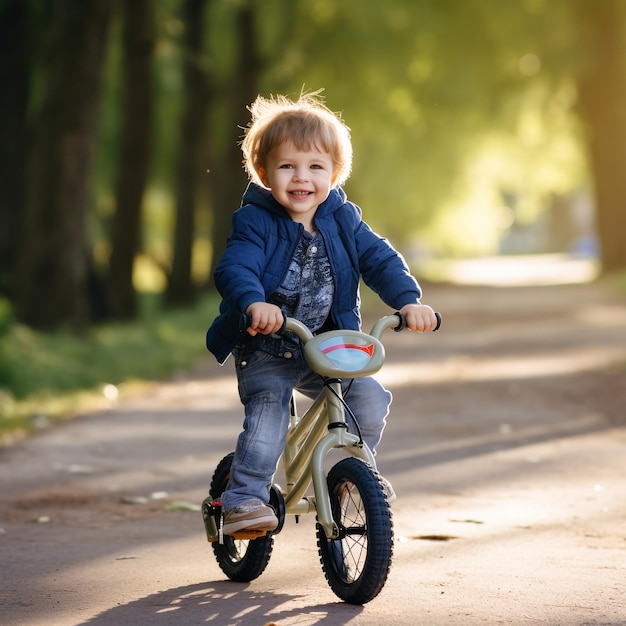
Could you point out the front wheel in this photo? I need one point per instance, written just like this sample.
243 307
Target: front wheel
357 562
242 560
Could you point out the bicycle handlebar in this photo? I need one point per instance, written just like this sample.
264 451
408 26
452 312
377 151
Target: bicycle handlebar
396 321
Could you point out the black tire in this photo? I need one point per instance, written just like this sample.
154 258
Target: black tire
357 563
241 560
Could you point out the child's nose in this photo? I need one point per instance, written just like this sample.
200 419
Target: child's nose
300 174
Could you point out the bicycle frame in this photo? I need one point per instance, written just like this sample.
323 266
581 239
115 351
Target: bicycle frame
356 547
307 447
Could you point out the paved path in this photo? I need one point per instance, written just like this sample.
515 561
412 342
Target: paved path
506 445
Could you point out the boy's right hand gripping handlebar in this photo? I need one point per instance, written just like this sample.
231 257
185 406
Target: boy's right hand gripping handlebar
245 321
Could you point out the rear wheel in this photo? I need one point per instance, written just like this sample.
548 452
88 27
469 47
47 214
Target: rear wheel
357 562
242 560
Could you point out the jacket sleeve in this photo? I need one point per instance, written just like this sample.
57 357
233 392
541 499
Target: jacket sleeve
383 268
237 275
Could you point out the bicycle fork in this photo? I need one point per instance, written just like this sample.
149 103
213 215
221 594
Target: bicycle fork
305 453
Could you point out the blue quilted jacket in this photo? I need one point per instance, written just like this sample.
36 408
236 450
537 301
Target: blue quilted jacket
261 245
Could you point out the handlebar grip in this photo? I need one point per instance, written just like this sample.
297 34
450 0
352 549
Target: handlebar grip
439 320
401 322
244 322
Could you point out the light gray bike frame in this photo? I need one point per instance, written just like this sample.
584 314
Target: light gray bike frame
307 445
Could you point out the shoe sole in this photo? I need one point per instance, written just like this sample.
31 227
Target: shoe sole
262 524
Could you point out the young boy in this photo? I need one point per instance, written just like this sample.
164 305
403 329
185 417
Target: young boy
297 248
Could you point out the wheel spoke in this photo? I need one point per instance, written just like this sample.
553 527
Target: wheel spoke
355 567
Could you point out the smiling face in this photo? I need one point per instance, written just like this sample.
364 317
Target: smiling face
300 180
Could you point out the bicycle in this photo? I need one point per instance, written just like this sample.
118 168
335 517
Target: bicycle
354 524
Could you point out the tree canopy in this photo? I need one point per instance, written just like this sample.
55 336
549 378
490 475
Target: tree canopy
469 118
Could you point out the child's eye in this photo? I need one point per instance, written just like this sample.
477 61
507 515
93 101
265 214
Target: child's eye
286 166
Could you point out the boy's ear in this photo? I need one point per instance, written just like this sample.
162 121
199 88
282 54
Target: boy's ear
263 176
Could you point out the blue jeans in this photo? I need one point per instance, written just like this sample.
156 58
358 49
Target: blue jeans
265 388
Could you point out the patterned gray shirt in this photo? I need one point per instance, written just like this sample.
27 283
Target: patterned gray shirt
308 288
306 293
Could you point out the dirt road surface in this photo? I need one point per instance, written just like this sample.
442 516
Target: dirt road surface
506 446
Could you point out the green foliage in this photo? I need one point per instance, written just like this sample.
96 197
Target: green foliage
437 94
52 374
460 110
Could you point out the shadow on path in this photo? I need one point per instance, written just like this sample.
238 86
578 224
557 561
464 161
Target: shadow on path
224 603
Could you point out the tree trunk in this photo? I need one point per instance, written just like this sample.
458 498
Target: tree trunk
228 179
603 98
135 152
52 255
15 64
192 154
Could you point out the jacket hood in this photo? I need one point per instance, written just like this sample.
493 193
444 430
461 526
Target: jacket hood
262 197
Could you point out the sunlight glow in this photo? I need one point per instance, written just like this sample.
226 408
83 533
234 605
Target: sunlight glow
529 64
557 269
538 365
512 270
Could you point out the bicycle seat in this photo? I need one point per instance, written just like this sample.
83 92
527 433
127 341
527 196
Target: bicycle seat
344 353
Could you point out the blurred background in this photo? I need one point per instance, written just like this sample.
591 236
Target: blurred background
480 128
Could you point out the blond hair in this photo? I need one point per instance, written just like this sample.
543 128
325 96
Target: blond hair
307 123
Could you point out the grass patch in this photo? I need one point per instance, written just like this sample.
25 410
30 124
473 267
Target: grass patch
48 377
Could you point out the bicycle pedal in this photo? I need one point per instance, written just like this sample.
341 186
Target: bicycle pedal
244 535
212 517
241 535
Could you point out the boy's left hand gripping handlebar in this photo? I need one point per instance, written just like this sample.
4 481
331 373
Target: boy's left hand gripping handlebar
402 324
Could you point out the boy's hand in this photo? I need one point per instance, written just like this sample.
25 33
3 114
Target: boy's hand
419 317
265 318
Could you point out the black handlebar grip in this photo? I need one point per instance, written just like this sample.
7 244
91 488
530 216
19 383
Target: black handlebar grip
401 322
439 320
244 322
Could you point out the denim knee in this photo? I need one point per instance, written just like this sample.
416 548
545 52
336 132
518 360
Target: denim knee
369 401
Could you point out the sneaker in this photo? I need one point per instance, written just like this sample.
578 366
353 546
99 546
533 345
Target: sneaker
255 516
389 490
